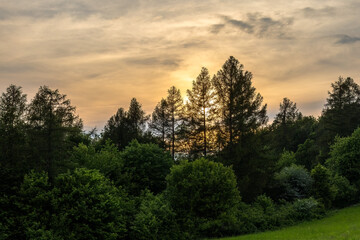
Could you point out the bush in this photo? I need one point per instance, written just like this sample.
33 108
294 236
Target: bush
88 206
145 166
155 220
306 209
294 182
345 193
81 205
345 157
322 188
204 195
108 160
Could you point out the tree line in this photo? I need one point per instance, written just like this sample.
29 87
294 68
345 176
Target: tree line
209 166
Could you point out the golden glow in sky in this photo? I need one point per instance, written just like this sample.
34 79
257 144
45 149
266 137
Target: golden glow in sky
103 53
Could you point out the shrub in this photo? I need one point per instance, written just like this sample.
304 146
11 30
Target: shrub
294 182
204 195
155 220
345 193
88 206
322 188
345 157
145 166
306 209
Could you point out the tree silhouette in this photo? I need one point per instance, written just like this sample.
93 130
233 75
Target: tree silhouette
52 119
160 122
241 110
175 110
200 110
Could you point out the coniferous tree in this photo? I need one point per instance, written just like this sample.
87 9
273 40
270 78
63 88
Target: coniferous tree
288 113
341 115
160 122
284 125
175 110
52 119
12 136
241 108
125 126
200 110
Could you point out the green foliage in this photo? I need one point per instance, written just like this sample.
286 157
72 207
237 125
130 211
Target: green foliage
340 224
306 154
34 202
345 157
294 182
345 193
155 220
81 205
108 160
322 188
145 166
88 206
203 194
286 160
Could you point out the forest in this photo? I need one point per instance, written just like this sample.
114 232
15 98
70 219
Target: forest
209 166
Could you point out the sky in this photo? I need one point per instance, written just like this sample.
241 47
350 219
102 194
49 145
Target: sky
103 53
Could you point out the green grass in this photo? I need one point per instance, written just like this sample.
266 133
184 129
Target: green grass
341 224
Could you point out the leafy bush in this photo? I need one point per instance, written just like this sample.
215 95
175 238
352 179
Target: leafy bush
145 166
155 220
322 188
204 195
81 205
345 193
345 157
108 160
306 209
294 182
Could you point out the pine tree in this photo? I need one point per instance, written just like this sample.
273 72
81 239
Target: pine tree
125 126
12 137
52 119
241 108
175 110
288 113
160 122
200 112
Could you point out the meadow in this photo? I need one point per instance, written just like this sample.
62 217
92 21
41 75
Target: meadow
340 224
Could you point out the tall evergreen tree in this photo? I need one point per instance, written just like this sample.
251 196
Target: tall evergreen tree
52 119
241 108
12 136
175 110
284 127
341 115
125 126
288 113
200 110
160 122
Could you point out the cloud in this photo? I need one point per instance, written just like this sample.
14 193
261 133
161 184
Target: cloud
310 12
169 62
262 26
45 9
346 39
216 28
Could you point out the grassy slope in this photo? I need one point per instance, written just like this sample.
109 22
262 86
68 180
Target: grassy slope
342 224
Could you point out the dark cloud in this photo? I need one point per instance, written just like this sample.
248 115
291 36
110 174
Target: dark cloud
346 39
216 28
171 62
262 26
310 12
